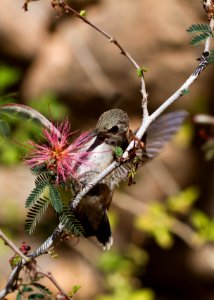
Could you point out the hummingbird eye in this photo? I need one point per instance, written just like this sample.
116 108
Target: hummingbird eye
114 129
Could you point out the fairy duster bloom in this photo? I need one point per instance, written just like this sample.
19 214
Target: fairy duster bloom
58 154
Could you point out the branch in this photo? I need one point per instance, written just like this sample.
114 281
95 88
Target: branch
52 279
68 9
14 276
12 280
13 246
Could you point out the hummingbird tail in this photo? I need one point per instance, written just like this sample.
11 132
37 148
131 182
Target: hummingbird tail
103 233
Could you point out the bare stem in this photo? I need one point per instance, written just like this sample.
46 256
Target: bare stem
53 280
12 246
69 9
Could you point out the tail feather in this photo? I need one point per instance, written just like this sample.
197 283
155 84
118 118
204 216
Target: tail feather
103 232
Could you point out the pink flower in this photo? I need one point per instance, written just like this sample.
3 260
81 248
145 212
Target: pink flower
58 154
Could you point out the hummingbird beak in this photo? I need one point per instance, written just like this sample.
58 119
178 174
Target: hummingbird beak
93 133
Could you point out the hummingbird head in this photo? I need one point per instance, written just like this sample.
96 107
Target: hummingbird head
113 126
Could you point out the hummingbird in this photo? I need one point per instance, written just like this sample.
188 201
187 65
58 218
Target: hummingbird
112 130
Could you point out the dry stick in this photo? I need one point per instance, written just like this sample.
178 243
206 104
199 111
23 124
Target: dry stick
67 8
11 283
52 279
13 246
111 39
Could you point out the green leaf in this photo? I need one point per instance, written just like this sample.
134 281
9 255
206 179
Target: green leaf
42 288
36 296
74 290
140 72
118 151
203 224
184 92
43 176
83 13
199 219
200 38
55 199
37 193
199 28
27 289
19 296
163 238
35 214
71 224
15 261
211 57
39 170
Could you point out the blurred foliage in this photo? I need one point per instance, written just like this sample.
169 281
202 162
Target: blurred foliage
12 146
8 77
121 275
208 149
203 224
159 218
183 202
184 136
157 222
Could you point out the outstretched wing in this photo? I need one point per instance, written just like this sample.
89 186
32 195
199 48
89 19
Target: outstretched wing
157 135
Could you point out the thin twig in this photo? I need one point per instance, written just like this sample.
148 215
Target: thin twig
52 279
67 9
13 246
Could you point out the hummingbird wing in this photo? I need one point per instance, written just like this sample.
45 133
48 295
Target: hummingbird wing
157 135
